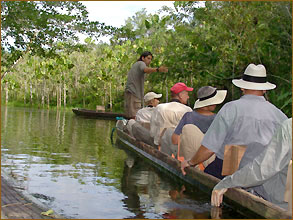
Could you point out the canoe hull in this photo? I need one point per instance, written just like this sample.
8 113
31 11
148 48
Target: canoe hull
204 181
94 114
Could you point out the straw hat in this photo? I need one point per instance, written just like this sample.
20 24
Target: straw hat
255 78
209 95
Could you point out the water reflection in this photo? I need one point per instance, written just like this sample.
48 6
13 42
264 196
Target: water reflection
148 191
128 187
69 164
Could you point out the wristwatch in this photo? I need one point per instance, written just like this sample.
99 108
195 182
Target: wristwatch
157 69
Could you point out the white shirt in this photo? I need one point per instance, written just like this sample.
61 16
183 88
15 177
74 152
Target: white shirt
144 115
166 115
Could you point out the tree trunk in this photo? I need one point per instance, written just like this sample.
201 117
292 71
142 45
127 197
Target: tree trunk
167 89
104 97
31 94
83 99
37 94
25 90
110 94
48 98
233 75
64 95
57 97
60 96
6 92
43 94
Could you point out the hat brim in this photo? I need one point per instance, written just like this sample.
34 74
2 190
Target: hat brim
158 96
189 89
251 85
217 99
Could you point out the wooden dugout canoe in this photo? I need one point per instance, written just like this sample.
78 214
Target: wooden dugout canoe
96 114
235 196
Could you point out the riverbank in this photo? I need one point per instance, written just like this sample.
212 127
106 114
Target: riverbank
16 203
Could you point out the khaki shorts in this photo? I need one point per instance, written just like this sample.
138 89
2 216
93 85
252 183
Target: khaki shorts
190 142
132 104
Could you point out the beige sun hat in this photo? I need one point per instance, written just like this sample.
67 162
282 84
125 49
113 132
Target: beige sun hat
255 78
209 95
151 95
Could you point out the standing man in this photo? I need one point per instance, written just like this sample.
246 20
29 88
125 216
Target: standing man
134 90
250 121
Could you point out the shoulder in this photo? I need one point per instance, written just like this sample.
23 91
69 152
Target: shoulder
228 108
183 106
145 109
141 63
161 106
188 115
173 106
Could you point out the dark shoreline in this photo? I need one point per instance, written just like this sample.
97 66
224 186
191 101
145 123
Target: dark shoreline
16 203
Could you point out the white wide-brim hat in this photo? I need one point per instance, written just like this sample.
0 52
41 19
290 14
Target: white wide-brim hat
217 97
254 78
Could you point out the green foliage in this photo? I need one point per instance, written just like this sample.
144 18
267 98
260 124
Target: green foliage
35 27
201 46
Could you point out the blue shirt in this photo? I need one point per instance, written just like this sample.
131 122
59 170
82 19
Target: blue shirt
203 122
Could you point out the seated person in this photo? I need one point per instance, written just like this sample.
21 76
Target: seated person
139 128
249 121
195 124
166 116
143 115
266 174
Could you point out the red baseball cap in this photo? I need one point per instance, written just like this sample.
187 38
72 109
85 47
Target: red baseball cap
179 87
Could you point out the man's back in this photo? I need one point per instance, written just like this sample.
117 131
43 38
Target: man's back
249 121
144 115
266 175
166 115
135 79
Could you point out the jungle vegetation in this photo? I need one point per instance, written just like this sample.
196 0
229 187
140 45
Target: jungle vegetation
47 66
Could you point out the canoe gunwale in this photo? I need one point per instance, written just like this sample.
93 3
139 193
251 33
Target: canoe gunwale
204 181
95 114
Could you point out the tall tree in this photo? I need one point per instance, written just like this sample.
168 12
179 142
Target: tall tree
35 26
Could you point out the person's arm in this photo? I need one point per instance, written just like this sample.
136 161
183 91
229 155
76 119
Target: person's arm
156 125
178 129
157 69
201 155
272 160
175 138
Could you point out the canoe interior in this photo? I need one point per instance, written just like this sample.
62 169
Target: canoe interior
239 198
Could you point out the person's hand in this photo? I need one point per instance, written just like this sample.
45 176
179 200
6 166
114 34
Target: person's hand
217 197
183 188
184 164
163 69
216 212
